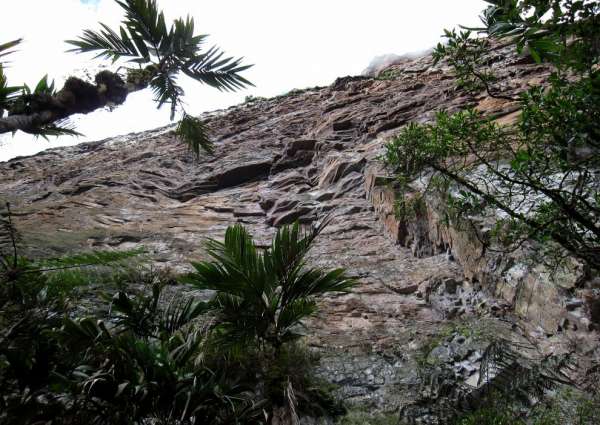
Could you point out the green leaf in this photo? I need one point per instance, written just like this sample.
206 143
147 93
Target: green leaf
56 129
94 258
222 74
261 295
5 48
193 132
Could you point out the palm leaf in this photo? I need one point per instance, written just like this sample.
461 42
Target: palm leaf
193 132
108 44
166 90
8 94
143 18
222 74
5 47
180 312
56 129
263 295
144 38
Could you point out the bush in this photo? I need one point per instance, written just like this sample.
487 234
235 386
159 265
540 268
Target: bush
539 176
152 360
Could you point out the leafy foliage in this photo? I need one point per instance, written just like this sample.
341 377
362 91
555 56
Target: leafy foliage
261 298
145 39
466 55
565 407
260 302
515 379
539 176
8 94
18 97
131 373
193 132
152 359
162 53
563 32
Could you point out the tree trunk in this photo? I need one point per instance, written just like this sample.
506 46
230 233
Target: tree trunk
76 97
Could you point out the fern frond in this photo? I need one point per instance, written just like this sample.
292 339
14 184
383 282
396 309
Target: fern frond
505 370
94 258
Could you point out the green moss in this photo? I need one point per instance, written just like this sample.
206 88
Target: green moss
389 74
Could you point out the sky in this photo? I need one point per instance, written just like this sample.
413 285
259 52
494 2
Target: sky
291 44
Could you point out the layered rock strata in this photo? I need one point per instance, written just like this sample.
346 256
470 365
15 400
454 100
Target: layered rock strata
303 156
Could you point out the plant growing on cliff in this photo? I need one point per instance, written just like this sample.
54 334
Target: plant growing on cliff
262 297
541 175
158 361
160 53
148 369
56 367
260 301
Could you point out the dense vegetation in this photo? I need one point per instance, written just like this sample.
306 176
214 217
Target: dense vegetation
539 177
148 358
155 57
537 181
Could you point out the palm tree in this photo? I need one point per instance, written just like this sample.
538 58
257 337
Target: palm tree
160 54
261 297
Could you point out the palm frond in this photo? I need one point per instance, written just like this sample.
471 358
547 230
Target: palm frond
43 87
264 295
236 264
110 45
181 312
166 90
181 42
136 314
8 94
143 18
292 313
145 39
211 69
56 129
194 133
5 47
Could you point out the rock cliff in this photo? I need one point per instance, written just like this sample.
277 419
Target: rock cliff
303 156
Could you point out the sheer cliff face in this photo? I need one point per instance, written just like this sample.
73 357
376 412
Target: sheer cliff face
300 156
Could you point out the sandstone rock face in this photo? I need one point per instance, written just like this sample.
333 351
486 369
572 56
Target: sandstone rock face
302 156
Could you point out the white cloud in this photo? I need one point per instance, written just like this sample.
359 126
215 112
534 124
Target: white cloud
292 44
